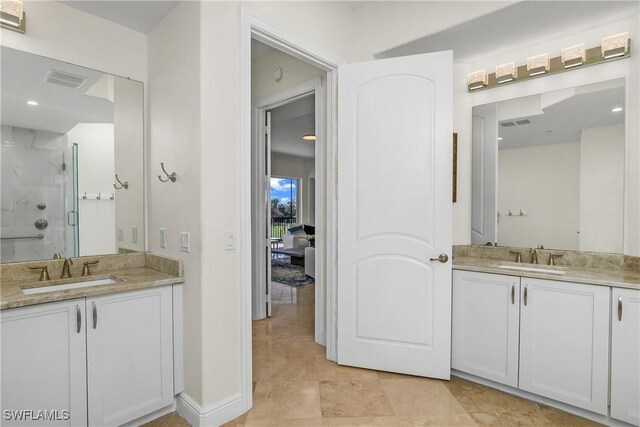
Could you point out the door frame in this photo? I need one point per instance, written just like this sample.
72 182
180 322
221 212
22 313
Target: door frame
260 106
257 26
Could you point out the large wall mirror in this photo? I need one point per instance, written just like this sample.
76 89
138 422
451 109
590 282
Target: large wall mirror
67 131
548 169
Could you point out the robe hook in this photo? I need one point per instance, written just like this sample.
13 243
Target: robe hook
124 185
170 177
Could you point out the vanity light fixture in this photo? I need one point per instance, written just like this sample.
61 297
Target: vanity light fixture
616 109
477 80
309 137
574 56
34 103
506 73
615 45
12 15
538 65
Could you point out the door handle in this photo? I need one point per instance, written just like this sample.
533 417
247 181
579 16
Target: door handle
526 295
620 308
513 294
442 258
73 215
78 319
95 315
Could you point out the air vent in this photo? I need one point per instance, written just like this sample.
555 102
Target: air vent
507 124
523 122
64 79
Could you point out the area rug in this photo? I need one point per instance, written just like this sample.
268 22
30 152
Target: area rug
293 275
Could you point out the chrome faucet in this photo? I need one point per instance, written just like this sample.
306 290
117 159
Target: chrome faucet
518 255
533 255
65 268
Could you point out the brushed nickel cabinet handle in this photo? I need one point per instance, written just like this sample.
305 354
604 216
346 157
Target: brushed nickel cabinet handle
78 319
95 315
620 308
442 258
526 295
513 294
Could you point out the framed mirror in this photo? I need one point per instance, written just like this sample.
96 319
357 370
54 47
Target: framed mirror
548 169
72 160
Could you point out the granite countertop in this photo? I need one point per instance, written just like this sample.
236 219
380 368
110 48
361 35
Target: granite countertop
128 279
593 276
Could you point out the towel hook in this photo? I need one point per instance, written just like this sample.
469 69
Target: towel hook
170 177
124 185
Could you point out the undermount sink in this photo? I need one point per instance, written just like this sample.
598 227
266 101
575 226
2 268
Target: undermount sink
547 269
73 285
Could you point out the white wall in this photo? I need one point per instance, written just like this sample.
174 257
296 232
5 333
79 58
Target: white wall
627 69
95 175
294 72
61 32
602 189
175 138
543 181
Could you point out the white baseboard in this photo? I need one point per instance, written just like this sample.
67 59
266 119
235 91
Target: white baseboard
215 415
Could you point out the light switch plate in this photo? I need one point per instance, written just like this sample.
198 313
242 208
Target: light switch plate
120 234
163 237
230 241
134 234
185 241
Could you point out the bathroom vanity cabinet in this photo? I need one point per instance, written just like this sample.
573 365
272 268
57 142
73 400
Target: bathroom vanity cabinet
625 355
107 359
546 337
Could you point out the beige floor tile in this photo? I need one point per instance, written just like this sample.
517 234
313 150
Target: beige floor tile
286 400
489 400
169 420
420 397
280 422
444 420
510 419
354 398
561 418
367 421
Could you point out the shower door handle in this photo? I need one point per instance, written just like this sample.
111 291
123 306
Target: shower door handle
71 214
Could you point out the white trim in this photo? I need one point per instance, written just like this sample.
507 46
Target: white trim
602 419
214 415
257 26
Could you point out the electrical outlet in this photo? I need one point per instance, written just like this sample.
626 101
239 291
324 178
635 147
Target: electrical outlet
134 234
185 241
230 241
120 234
163 237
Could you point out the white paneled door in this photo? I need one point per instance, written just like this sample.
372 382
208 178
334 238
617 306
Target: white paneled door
394 215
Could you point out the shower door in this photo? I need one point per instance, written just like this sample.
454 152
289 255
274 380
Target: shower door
72 217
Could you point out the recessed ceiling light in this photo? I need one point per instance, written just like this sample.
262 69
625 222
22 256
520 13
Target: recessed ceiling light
32 102
616 109
499 138
309 137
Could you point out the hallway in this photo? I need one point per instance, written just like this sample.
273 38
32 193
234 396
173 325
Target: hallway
294 385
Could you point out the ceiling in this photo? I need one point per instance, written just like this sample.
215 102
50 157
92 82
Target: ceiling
563 115
60 108
520 25
138 15
289 123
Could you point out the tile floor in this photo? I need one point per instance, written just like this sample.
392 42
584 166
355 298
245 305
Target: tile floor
296 386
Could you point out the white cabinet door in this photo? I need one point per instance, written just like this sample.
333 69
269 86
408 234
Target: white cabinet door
130 354
625 355
44 364
564 342
486 323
